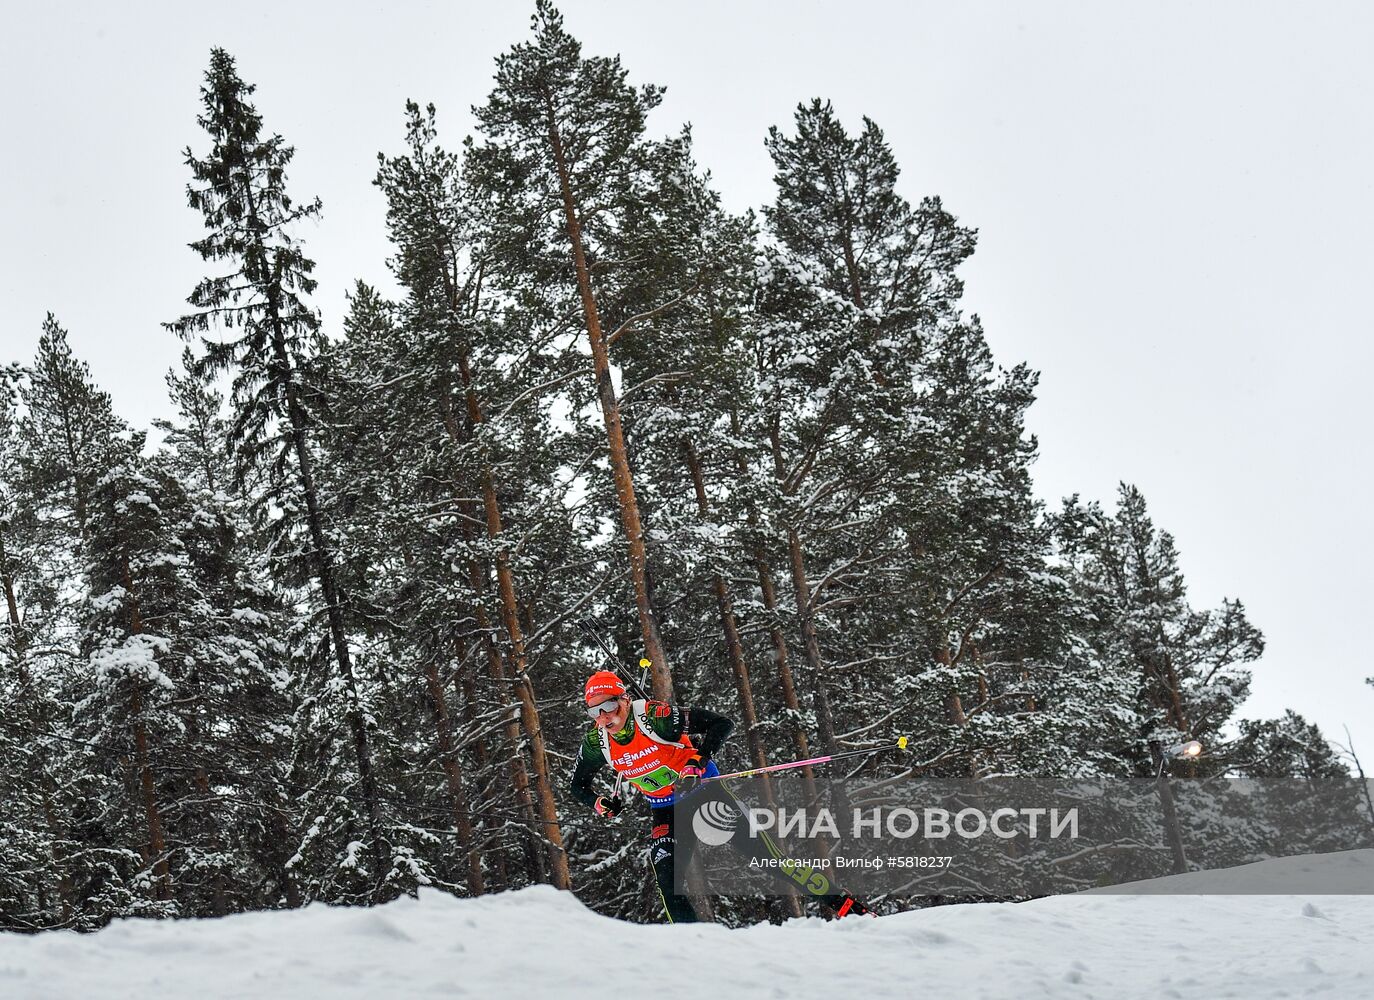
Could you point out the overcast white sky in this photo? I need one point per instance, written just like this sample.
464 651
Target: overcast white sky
1175 203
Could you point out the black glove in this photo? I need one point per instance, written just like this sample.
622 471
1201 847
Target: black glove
609 808
690 776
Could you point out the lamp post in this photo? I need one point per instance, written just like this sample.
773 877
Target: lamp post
1191 749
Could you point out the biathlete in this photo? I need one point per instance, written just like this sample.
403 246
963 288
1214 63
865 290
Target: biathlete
651 746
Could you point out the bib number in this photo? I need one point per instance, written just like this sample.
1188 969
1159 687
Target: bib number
655 780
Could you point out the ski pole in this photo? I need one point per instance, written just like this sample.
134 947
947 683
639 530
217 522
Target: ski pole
899 744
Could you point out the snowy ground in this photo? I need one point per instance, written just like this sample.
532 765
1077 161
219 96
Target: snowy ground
541 943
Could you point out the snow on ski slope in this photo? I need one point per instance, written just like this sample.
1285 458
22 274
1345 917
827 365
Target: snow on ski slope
540 943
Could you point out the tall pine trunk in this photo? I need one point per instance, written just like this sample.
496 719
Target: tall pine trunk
142 758
511 717
524 687
448 757
465 686
802 589
661 676
734 648
781 655
825 722
1175 704
954 705
219 905
526 714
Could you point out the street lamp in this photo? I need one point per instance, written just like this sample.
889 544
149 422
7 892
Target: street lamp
1183 751
1190 750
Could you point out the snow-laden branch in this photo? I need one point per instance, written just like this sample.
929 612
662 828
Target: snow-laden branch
649 314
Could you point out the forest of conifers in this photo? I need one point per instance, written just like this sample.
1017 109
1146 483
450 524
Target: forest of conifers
316 638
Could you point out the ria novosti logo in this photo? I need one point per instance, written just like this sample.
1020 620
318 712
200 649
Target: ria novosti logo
930 823
715 822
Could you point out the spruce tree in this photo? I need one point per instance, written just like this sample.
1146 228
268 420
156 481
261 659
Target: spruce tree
272 334
235 663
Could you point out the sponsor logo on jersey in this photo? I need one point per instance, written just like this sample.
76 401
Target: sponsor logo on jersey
626 761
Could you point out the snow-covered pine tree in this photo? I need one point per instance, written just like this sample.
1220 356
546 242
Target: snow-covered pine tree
68 437
402 506
134 564
898 450
849 282
682 368
806 360
1313 804
35 882
272 334
486 405
968 544
561 162
71 434
1189 666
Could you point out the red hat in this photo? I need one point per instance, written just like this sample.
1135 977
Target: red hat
602 685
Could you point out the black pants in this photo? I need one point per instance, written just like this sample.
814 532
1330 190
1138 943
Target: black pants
670 841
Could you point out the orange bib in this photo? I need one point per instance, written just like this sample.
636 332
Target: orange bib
648 761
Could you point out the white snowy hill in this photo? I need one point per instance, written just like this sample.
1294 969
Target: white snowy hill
540 943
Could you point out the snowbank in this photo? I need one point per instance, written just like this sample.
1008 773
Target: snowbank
540 943
1347 872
